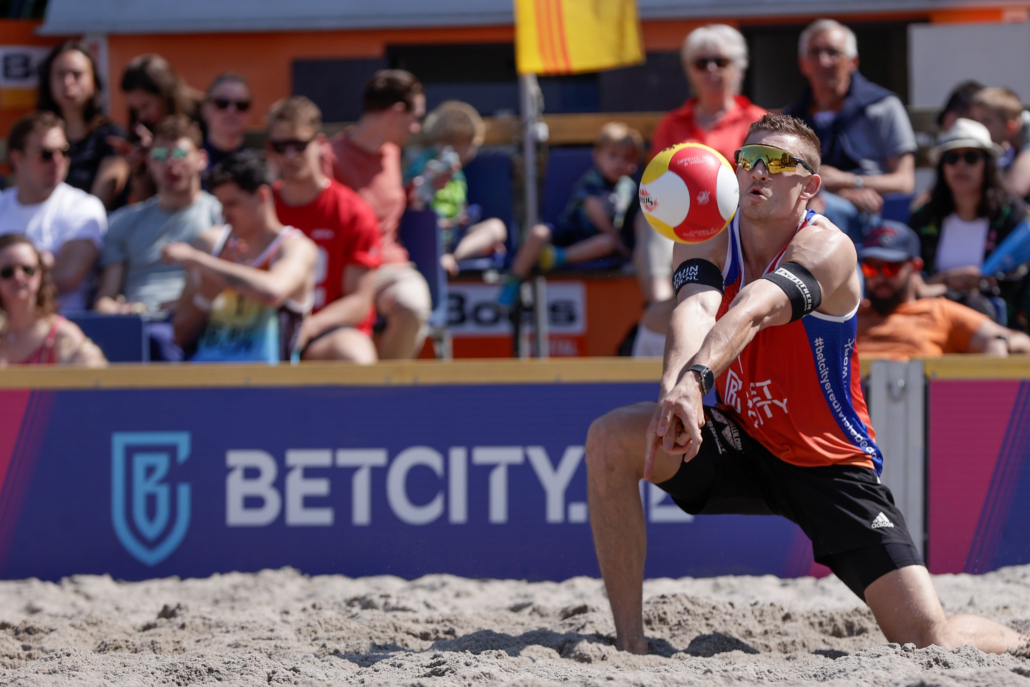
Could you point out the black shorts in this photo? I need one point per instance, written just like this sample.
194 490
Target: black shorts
855 528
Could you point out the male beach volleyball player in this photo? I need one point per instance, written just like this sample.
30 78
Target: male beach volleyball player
766 315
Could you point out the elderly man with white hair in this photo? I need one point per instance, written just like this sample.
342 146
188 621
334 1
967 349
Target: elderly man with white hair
714 58
867 140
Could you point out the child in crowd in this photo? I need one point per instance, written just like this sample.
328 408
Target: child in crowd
598 220
453 131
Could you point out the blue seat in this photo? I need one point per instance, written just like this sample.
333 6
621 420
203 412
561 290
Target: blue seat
122 338
896 207
419 234
490 187
565 166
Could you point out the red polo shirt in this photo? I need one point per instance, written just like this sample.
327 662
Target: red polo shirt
726 135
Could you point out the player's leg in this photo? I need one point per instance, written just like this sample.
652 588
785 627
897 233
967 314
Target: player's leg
344 343
907 609
593 248
615 466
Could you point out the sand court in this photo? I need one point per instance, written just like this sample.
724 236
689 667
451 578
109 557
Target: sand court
283 627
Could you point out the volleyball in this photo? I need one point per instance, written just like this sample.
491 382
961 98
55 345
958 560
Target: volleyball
689 192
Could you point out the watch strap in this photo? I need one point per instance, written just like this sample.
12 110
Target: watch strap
706 376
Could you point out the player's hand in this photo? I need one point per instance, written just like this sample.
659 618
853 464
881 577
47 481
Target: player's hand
676 423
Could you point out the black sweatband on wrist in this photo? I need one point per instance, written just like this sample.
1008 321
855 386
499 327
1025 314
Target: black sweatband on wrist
800 286
697 271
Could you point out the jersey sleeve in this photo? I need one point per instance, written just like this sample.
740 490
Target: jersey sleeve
365 244
963 323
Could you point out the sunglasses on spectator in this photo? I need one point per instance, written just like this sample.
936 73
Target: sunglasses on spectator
226 103
164 153
8 272
970 156
701 63
871 268
776 159
295 145
48 154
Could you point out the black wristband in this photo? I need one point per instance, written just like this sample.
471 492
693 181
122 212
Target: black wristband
697 271
800 286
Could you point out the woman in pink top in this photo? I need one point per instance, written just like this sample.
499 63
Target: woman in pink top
31 332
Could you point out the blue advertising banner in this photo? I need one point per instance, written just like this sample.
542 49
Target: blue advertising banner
480 480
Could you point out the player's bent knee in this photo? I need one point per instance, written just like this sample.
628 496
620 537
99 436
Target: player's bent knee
614 441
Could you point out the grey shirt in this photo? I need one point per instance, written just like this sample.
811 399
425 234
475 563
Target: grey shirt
884 132
137 233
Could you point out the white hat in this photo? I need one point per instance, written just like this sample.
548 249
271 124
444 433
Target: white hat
965 133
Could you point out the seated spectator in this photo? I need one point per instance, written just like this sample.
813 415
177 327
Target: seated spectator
225 111
959 103
969 213
32 333
1001 111
715 59
252 280
368 160
598 220
65 224
70 87
340 223
454 131
895 323
153 91
133 277
867 140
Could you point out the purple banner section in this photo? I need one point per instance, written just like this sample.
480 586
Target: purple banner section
473 480
978 490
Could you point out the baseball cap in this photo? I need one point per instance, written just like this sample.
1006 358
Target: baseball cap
891 241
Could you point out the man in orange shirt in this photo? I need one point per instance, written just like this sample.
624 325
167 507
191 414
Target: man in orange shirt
893 323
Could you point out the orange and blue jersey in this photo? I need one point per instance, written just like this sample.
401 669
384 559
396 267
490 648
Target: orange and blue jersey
796 387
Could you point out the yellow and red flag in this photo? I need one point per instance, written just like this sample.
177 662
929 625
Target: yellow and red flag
572 36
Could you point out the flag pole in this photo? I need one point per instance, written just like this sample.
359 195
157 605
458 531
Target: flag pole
532 128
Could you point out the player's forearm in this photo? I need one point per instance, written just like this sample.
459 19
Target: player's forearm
691 321
732 333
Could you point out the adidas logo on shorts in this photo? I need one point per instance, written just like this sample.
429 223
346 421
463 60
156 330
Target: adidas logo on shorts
881 520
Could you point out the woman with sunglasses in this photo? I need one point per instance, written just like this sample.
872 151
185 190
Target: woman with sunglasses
70 87
968 215
31 331
225 112
714 58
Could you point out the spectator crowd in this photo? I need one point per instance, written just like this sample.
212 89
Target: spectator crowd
294 252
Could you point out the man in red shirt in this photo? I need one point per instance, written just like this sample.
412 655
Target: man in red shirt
367 158
895 324
340 223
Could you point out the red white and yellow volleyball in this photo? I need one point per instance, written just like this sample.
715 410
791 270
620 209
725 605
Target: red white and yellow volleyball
689 192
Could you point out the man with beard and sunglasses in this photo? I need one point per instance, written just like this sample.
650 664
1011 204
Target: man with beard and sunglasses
766 316
897 324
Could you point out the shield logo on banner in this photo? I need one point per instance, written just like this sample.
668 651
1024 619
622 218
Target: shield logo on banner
141 498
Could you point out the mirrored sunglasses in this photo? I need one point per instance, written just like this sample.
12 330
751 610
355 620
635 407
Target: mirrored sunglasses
872 268
163 153
776 160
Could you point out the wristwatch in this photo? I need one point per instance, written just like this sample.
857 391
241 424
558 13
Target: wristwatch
859 182
705 376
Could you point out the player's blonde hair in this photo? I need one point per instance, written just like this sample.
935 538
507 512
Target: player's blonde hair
619 135
453 122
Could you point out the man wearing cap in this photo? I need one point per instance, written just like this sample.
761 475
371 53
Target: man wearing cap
894 323
968 216
867 140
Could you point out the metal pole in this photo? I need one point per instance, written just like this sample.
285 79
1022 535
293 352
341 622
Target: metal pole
532 106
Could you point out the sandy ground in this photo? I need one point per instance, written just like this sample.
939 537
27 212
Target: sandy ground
282 627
